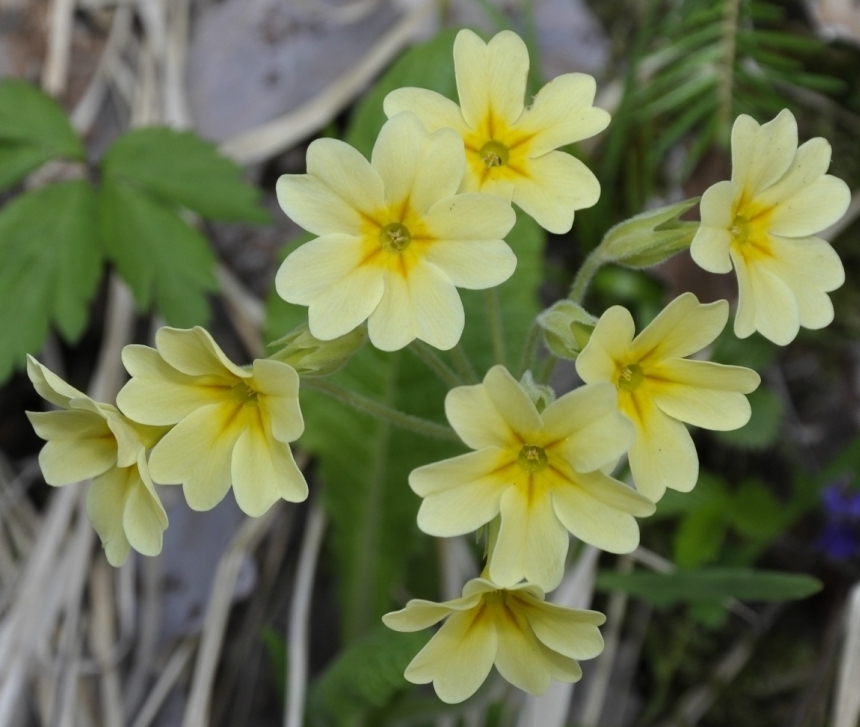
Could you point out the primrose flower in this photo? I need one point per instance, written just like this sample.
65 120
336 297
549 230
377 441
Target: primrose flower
394 239
530 641
541 471
511 149
86 439
763 223
659 389
232 425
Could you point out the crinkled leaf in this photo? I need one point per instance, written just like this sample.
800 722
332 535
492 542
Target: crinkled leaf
164 260
50 265
33 130
182 169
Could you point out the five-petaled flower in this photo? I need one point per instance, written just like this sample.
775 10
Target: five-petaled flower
529 640
232 425
87 439
763 223
540 470
512 150
394 239
658 388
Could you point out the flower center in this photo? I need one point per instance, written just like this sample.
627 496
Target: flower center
532 459
494 154
395 237
630 377
245 395
740 230
492 598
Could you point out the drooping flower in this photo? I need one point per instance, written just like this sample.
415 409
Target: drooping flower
541 471
659 388
232 425
394 239
529 640
87 439
763 223
511 150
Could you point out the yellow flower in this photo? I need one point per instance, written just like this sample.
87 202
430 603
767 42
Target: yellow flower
541 471
658 388
86 439
510 149
530 641
394 239
763 223
232 425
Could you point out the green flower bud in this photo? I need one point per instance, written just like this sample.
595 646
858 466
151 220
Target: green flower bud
541 395
651 237
567 327
311 357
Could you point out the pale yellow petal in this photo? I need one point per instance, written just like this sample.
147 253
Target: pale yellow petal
491 78
704 394
744 325
762 154
710 249
571 632
315 207
812 209
68 424
418 169
561 668
663 454
608 347
561 114
585 428
348 174
809 164
774 312
50 386
277 385
473 264
717 205
436 306
520 659
79 446
483 585
554 186
475 418
512 402
683 327
458 658
420 614
472 216
128 438
435 110
197 453
532 543
582 507
105 504
391 326
144 519
346 305
195 353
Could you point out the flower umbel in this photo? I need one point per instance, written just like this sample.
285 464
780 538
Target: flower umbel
529 640
232 425
541 471
659 389
763 223
87 439
395 242
511 149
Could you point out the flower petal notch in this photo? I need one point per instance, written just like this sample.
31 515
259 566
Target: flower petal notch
87 439
541 471
231 426
511 150
763 223
395 240
530 641
659 388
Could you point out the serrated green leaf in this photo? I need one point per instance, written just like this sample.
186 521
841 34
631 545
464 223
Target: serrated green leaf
764 425
50 265
710 585
366 676
164 260
33 129
182 169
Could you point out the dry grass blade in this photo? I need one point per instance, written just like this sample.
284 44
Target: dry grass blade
102 636
166 681
55 72
247 312
846 711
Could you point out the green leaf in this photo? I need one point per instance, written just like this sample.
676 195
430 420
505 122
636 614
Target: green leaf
366 676
162 258
755 512
700 535
33 130
710 584
182 169
764 425
50 265
276 648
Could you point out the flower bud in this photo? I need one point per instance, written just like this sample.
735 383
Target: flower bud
540 394
651 237
567 327
310 356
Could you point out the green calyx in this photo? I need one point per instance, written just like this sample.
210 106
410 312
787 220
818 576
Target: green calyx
310 356
567 328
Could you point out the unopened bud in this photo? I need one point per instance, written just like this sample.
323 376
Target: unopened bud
310 356
567 328
541 395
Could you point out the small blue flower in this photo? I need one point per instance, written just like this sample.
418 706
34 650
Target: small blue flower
841 536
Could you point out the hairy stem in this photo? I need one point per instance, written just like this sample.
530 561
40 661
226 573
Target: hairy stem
435 363
585 275
463 365
530 349
497 330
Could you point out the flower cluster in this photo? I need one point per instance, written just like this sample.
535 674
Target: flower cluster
396 236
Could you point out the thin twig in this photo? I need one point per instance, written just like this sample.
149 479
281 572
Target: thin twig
435 363
166 680
584 276
55 72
